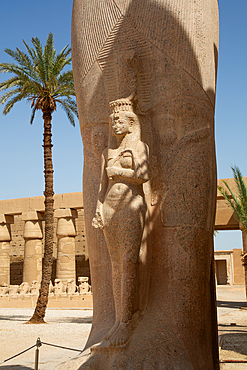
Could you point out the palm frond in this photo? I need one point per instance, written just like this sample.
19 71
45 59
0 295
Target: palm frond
66 90
236 179
35 61
71 104
233 203
30 51
241 193
9 105
6 96
39 57
15 69
61 61
11 82
238 201
33 114
49 55
21 58
12 68
70 109
66 77
38 77
242 189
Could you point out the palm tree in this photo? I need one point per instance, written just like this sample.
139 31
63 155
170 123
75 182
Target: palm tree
238 203
38 76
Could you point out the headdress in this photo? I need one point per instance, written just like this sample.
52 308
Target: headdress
123 104
126 105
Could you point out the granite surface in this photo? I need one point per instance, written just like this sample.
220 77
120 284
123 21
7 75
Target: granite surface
166 53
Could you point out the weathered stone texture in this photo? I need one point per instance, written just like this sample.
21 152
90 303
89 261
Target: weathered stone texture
166 52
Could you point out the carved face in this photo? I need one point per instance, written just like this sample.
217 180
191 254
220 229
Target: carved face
120 124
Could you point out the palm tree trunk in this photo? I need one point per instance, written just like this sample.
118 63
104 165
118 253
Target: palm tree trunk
244 237
245 277
39 313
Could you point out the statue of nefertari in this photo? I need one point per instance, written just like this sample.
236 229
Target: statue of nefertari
121 212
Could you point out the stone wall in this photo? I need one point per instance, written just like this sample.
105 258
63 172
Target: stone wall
17 213
17 243
17 207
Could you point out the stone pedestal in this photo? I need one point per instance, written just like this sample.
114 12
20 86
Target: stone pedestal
66 233
32 267
5 238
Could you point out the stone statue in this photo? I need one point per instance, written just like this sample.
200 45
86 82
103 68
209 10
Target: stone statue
51 288
14 289
35 287
166 52
59 287
121 211
4 289
24 288
71 286
83 287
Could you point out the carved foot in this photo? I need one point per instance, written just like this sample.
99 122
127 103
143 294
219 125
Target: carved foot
121 335
111 331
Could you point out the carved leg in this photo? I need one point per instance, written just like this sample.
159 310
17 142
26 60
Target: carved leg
125 328
129 279
116 282
129 300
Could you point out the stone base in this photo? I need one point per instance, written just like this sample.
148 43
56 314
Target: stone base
55 301
147 350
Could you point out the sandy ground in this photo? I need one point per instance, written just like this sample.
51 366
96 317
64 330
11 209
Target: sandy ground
70 328
232 321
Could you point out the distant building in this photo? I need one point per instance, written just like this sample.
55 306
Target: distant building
21 240
228 267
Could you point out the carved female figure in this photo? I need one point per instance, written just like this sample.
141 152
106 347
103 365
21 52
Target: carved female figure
121 211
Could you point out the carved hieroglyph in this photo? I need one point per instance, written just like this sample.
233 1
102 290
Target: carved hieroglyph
166 52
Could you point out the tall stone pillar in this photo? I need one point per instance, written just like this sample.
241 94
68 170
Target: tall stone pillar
165 52
66 233
32 267
5 238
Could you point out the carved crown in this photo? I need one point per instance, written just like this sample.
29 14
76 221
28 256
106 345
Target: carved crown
122 105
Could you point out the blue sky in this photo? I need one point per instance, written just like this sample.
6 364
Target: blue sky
21 149
21 143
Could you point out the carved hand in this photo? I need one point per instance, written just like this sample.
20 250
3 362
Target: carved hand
111 171
97 221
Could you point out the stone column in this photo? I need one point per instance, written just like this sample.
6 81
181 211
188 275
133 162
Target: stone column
66 233
5 238
32 267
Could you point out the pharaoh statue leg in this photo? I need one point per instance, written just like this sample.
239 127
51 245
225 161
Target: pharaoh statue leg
165 51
